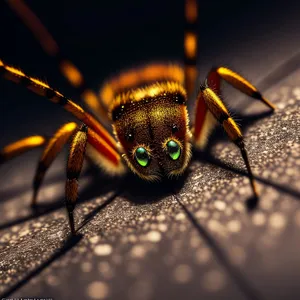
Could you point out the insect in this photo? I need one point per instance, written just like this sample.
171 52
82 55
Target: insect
147 110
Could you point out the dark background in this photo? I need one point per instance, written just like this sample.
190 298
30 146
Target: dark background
255 38
103 37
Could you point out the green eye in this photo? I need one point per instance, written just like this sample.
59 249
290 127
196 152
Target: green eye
142 156
173 150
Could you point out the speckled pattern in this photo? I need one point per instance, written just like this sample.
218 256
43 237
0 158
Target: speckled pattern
201 244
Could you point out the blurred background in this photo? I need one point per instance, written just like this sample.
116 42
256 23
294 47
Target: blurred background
103 37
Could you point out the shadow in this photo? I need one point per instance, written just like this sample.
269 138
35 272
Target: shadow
235 274
142 192
131 187
94 212
68 244
276 75
15 190
99 186
244 121
208 158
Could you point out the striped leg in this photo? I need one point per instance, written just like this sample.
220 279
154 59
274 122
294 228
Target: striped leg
45 90
52 149
190 45
205 121
74 166
97 148
103 154
49 45
237 81
21 146
216 107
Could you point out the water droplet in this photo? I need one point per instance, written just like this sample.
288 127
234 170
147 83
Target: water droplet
103 249
154 236
98 290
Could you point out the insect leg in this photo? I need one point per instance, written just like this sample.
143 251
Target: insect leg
67 68
102 154
204 122
21 146
190 44
43 89
217 108
74 166
237 81
52 149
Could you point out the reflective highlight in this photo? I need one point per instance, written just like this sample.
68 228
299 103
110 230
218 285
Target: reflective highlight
142 156
173 149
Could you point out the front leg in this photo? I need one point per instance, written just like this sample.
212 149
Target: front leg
74 167
100 152
213 103
204 120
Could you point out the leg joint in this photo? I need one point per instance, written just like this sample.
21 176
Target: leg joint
232 130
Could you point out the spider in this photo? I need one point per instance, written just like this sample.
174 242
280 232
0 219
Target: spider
146 107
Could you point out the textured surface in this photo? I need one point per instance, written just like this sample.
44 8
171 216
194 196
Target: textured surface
147 244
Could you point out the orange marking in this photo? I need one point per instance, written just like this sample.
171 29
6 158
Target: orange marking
40 83
90 121
107 94
91 99
57 142
35 25
136 77
12 74
75 110
69 127
232 129
128 79
242 84
71 72
103 148
152 90
191 11
237 81
190 45
14 71
214 102
22 145
39 88
100 130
